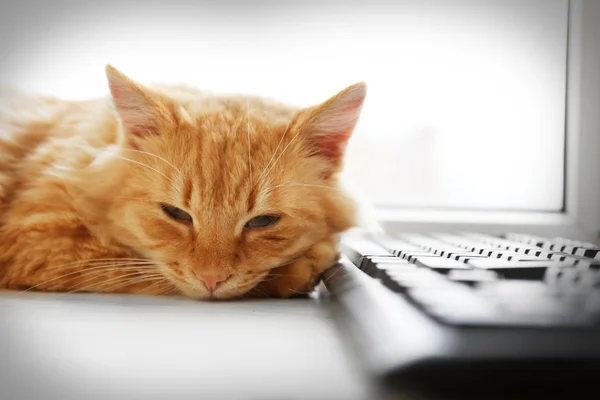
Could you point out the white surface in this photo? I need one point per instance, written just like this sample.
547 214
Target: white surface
583 145
466 97
118 347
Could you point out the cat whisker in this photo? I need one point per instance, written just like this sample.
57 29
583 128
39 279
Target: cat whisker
249 156
171 289
289 184
123 277
104 267
86 270
144 165
282 151
175 291
159 283
113 269
297 292
137 162
251 284
99 276
276 275
257 290
331 275
157 156
290 261
275 152
270 278
125 282
132 273
100 261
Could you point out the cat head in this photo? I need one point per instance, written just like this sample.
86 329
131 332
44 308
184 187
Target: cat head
219 190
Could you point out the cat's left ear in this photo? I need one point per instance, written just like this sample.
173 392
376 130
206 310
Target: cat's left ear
330 124
143 112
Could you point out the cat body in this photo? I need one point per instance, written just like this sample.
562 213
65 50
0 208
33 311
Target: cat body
169 190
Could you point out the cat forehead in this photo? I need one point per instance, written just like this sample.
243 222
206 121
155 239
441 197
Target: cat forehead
233 109
229 137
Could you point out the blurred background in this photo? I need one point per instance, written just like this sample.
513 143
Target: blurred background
466 98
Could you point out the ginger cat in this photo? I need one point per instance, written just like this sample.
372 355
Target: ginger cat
169 190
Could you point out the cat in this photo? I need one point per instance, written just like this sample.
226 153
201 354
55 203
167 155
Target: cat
168 190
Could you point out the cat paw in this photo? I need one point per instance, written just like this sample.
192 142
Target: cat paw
300 277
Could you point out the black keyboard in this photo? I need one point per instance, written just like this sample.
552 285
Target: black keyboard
453 306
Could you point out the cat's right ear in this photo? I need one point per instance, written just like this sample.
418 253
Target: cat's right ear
142 112
330 124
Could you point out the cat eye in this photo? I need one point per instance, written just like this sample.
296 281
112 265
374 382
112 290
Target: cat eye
262 221
176 213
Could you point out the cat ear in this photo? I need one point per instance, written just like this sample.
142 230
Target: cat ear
142 111
331 123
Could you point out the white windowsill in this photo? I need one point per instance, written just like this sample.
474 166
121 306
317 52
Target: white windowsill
472 217
422 220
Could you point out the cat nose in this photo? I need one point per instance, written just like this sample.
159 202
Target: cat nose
212 281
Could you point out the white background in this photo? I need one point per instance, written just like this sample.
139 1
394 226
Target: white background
465 103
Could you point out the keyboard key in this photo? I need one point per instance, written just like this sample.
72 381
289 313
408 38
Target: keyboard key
498 253
517 290
526 298
460 242
533 240
575 259
383 270
590 253
547 254
439 264
499 303
454 253
582 260
576 243
520 257
415 238
396 246
474 247
577 247
444 301
560 244
411 256
466 258
534 251
509 255
559 256
472 277
494 241
355 248
576 279
373 266
517 269
486 252
446 251
591 264
388 267
403 279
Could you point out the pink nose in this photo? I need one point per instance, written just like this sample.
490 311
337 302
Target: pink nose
212 281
